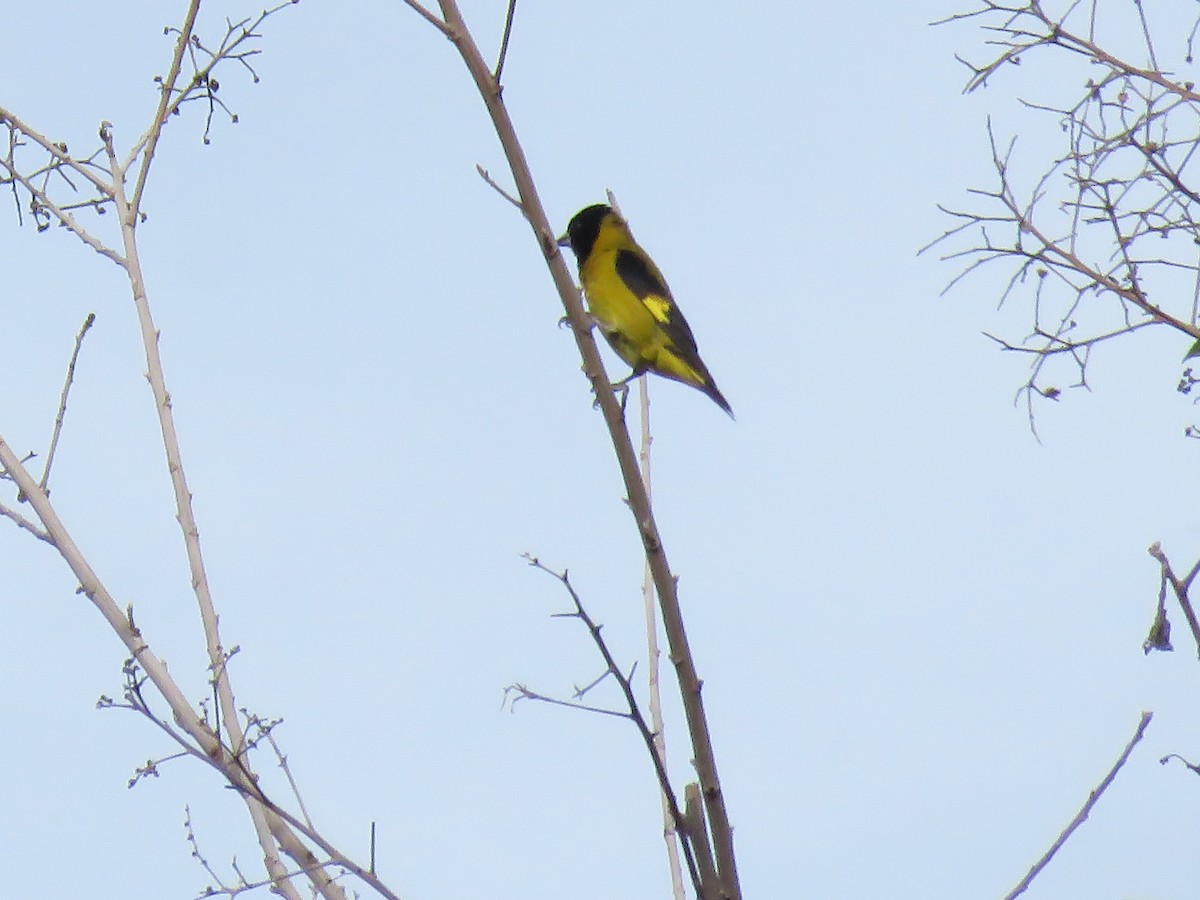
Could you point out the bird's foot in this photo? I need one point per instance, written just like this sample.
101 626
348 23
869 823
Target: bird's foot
619 387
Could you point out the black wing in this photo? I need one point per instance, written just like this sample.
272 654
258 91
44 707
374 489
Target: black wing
645 281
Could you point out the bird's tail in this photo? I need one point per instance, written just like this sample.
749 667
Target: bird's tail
686 366
710 388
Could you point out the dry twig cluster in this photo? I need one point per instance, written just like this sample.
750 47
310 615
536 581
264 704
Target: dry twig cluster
1105 239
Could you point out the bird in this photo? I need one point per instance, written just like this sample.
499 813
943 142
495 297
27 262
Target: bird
629 300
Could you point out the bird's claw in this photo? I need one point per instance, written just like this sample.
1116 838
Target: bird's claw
620 387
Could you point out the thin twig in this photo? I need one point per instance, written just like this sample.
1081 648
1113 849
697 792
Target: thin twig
1056 343
200 86
430 18
508 24
43 202
244 884
56 150
62 402
653 669
272 837
670 800
21 522
1083 813
164 101
240 777
1119 188
287 770
483 173
523 692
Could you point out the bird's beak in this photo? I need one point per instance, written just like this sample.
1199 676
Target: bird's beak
564 240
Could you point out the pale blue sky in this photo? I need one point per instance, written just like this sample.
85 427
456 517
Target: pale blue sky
919 629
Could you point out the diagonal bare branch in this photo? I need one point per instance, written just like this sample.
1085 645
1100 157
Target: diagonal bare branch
62 402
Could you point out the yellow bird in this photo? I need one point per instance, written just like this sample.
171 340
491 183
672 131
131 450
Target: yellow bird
631 303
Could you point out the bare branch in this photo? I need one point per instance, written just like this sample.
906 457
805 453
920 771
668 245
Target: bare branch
690 686
1180 588
654 680
1086 809
23 523
201 85
1115 219
508 24
237 772
41 206
150 140
483 173
634 714
430 18
62 402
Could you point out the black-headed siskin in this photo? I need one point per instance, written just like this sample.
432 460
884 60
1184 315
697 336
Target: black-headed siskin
631 303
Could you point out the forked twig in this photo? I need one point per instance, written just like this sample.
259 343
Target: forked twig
634 714
239 776
1092 225
1180 587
